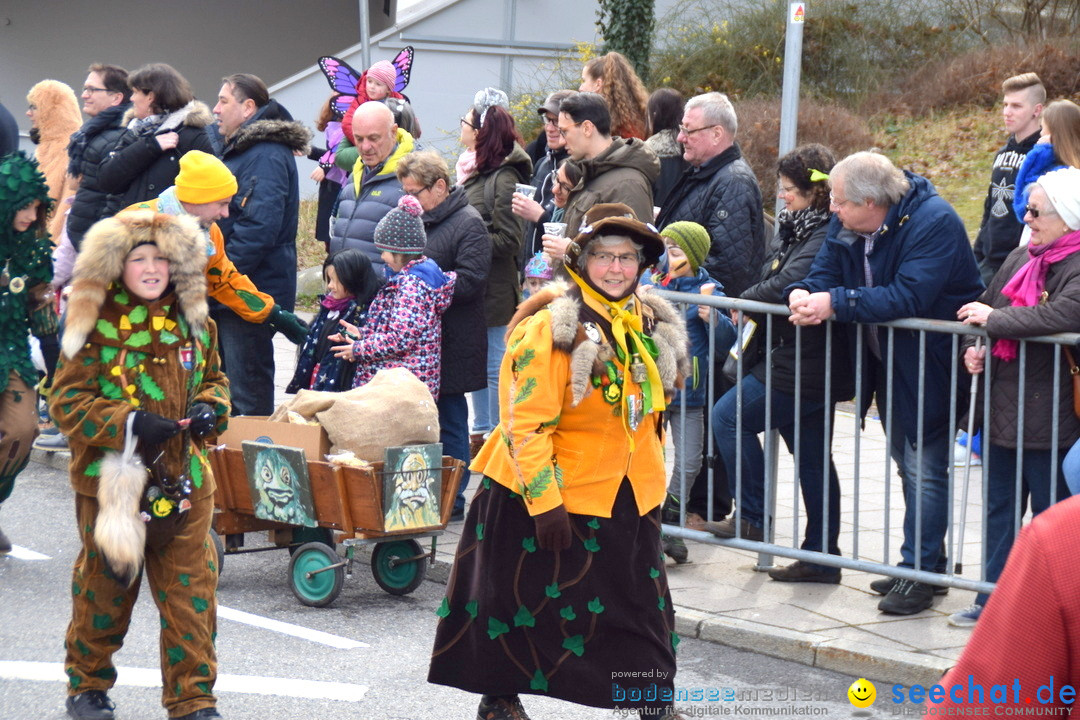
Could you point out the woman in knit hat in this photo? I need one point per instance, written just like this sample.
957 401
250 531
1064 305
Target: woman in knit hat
27 269
802 176
557 585
141 396
404 327
687 244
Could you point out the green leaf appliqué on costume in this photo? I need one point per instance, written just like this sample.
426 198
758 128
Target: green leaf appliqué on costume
552 590
138 314
538 682
522 362
575 644
471 607
444 608
196 471
525 391
529 544
539 483
592 544
524 617
168 338
496 627
567 613
595 606
107 329
139 339
108 354
151 388
253 302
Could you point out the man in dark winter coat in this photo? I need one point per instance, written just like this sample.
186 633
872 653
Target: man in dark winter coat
720 192
1000 231
537 210
260 231
372 190
106 97
894 250
9 132
458 240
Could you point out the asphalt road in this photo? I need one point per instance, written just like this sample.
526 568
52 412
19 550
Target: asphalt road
290 671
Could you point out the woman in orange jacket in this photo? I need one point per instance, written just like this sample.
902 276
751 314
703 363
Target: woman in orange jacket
558 583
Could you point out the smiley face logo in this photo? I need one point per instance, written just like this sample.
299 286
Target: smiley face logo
862 693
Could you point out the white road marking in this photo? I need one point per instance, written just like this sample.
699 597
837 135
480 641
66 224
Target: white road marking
285 628
248 684
20 553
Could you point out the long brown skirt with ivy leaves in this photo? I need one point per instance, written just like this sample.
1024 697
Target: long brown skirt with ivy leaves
576 625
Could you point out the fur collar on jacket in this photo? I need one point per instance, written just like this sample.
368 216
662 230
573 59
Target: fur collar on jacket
195 114
101 262
662 323
289 133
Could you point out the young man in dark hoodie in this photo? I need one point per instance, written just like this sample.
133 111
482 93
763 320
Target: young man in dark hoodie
999 232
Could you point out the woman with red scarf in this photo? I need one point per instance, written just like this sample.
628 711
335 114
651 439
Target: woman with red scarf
1036 292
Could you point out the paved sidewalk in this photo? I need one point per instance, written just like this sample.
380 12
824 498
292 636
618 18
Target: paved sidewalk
721 597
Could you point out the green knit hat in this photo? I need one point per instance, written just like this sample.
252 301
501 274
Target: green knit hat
20 184
692 239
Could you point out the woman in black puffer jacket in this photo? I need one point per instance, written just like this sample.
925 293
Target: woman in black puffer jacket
165 122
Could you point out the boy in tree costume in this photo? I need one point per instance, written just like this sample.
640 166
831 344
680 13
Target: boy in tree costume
25 271
140 371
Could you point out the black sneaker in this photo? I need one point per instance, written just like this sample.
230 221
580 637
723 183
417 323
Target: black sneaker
907 597
669 513
90 705
675 548
799 571
884 585
501 708
202 714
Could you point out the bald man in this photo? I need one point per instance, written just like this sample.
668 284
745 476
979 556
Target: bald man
373 189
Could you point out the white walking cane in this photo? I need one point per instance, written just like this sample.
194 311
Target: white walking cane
958 569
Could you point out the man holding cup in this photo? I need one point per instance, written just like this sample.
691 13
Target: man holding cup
536 209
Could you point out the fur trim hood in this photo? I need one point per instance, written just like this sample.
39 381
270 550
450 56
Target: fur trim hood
58 112
289 133
195 114
664 145
662 322
101 262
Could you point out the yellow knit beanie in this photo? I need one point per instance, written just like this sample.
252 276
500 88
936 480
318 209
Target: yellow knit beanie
203 179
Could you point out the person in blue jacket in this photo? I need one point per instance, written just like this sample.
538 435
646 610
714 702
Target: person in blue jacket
261 140
896 249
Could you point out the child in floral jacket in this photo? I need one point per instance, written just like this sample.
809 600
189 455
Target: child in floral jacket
403 326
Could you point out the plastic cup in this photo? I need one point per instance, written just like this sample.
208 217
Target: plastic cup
526 190
555 229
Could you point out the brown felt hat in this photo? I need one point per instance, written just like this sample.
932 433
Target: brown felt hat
615 219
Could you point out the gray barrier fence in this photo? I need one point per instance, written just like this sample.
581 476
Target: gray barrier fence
854 477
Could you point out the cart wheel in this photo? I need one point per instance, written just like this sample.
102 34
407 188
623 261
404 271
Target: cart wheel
303 535
320 589
395 573
220 548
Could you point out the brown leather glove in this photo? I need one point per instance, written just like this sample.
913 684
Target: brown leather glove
553 529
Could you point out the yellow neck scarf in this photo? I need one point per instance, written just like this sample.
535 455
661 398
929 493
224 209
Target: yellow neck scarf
627 323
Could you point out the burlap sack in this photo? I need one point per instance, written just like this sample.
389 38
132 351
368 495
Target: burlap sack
394 408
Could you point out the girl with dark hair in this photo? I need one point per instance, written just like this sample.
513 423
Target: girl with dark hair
665 114
351 282
803 178
501 163
165 122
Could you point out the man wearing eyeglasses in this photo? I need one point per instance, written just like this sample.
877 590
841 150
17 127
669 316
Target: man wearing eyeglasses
613 169
720 192
537 210
895 250
106 97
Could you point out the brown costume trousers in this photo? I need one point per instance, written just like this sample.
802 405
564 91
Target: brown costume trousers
183 578
18 428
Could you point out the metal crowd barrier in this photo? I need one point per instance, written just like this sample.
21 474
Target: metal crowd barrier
851 475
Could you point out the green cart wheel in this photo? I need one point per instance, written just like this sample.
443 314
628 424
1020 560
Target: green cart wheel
310 586
220 548
396 567
303 535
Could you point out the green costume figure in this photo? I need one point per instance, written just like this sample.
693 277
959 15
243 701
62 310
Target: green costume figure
139 354
25 271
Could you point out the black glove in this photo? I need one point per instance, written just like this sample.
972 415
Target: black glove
287 324
153 429
553 529
203 420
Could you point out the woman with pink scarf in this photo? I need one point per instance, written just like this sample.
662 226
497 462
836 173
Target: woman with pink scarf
1036 292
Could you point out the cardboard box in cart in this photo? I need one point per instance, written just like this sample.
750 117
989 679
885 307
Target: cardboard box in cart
311 439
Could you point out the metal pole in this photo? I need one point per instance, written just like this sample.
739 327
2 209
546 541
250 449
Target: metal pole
365 34
789 103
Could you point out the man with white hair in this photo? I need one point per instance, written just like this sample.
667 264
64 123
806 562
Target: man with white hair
373 189
896 249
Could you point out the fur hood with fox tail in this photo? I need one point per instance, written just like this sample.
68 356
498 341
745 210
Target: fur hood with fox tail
662 323
101 262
